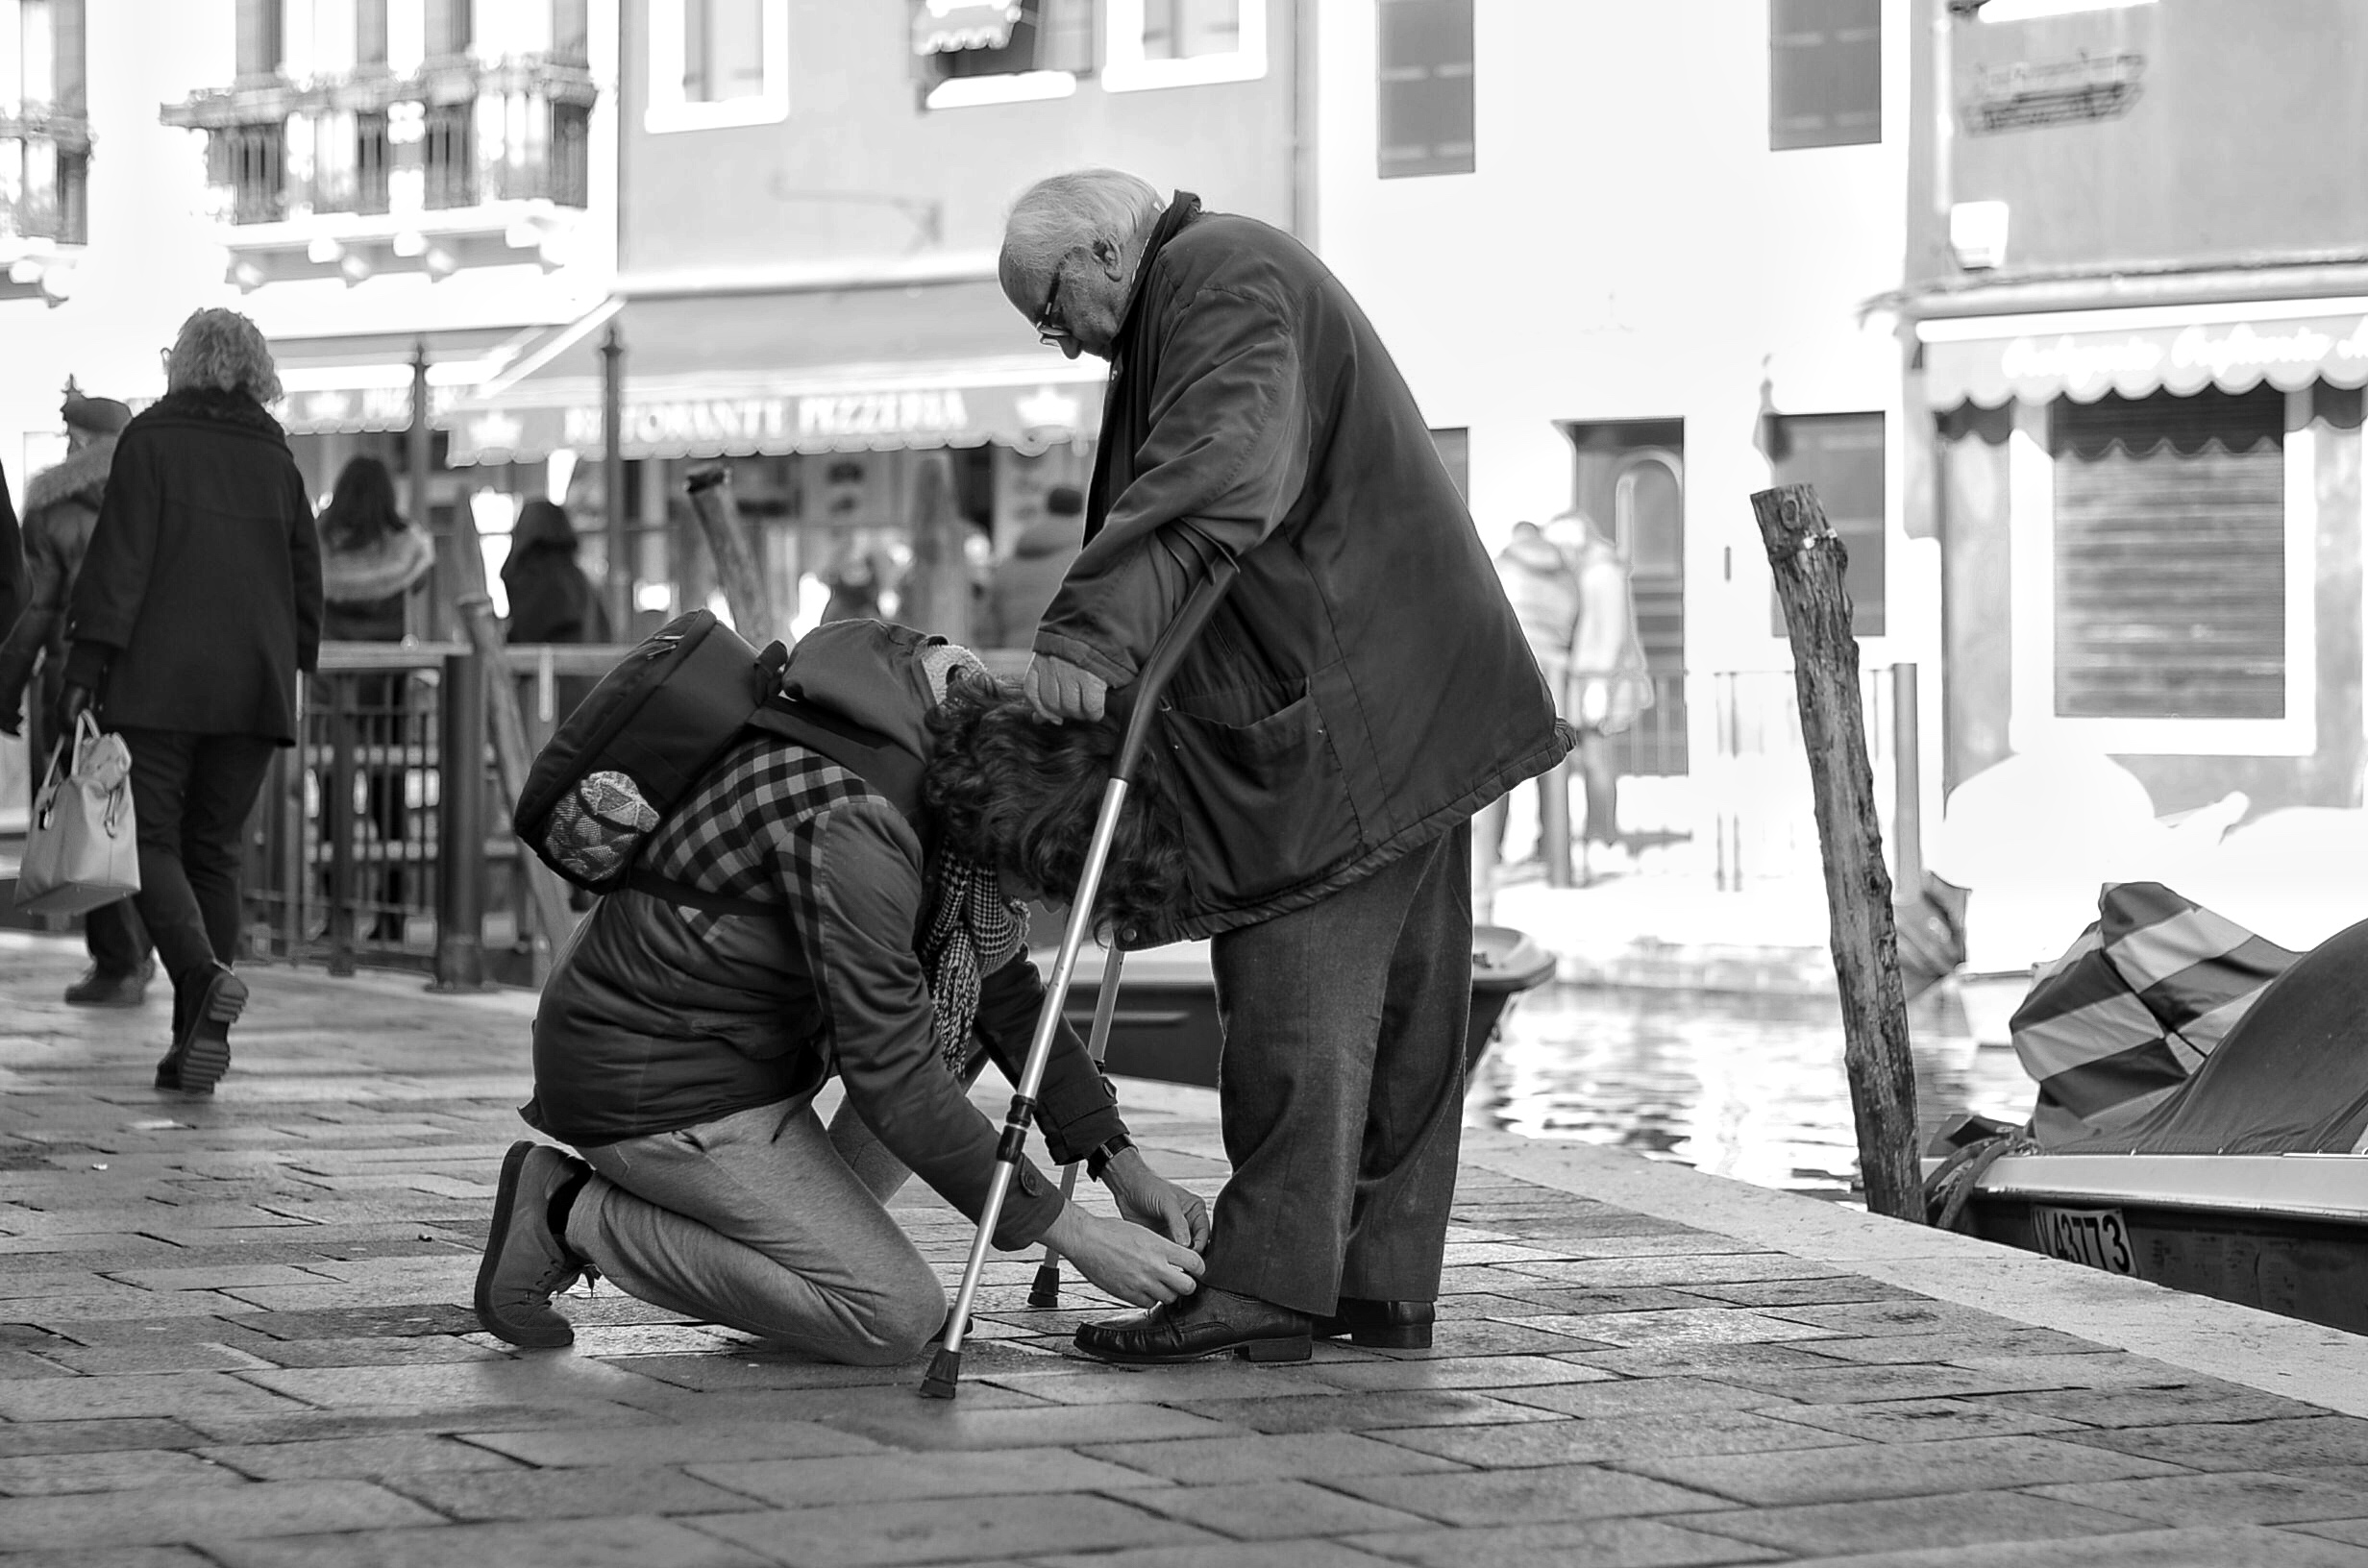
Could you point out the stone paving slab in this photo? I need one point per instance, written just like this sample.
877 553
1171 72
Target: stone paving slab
234 1333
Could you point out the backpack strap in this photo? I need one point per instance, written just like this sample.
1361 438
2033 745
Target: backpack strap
879 762
641 880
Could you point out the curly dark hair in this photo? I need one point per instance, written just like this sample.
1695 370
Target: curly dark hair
1021 794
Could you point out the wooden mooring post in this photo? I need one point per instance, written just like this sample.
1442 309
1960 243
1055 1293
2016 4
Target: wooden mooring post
736 569
1808 558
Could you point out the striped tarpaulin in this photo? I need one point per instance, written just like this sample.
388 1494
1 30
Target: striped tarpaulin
2131 1008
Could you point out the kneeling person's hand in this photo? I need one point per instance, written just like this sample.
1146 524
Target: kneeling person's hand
1132 1263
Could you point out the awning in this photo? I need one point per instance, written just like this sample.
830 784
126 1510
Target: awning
942 364
2179 348
362 382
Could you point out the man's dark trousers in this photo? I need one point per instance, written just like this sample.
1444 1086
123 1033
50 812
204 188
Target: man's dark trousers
192 793
1342 1085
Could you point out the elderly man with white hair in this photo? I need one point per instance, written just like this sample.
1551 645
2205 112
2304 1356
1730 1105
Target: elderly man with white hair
1361 691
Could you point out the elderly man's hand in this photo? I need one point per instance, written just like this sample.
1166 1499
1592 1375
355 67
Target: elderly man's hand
1059 690
1155 1203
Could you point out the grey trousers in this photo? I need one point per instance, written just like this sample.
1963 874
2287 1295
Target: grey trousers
765 1222
1341 1086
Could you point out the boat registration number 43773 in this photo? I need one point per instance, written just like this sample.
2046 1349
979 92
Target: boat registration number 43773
2095 1236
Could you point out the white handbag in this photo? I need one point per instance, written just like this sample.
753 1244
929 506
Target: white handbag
83 849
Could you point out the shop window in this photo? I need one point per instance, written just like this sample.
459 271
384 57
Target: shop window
1426 106
969 54
1825 73
716 62
1455 451
1184 43
1841 455
2170 557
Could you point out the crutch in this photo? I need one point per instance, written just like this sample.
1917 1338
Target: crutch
1046 1292
944 1372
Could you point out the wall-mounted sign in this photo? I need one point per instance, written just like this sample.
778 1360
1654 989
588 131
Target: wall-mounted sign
2024 94
2235 356
1028 418
346 410
944 27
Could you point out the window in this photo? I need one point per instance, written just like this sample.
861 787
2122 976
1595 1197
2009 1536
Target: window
1426 104
716 62
1044 49
1455 451
45 146
2163 571
251 159
1184 43
447 28
370 35
1825 73
570 31
258 39
1841 455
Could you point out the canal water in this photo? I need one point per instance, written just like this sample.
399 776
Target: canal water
1747 1087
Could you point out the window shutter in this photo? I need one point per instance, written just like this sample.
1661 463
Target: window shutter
370 33
2170 557
258 38
69 56
571 30
448 28
1825 73
1427 105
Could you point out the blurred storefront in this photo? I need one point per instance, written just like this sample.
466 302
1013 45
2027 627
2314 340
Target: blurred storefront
2138 311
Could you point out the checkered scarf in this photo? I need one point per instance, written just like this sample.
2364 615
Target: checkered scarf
973 929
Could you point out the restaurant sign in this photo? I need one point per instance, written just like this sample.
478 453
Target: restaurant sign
1031 418
2181 359
945 27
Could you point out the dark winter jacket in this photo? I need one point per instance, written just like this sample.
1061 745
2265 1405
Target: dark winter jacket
550 598
62 506
366 587
659 1016
12 556
200 597
1025 583
1366 686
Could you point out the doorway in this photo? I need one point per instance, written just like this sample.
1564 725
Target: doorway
1629 475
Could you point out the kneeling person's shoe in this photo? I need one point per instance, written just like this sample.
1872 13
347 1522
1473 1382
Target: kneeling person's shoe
1208 1322
201 1052
1380 1325
99 989
526 1263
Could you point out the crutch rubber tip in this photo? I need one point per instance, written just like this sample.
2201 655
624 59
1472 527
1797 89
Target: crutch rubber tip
1045 1291
944 1376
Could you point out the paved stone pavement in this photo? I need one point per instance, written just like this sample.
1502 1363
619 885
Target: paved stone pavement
234 1332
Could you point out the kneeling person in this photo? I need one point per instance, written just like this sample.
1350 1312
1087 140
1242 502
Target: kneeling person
679 1051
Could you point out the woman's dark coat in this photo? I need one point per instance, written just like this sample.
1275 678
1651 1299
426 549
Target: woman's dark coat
200 597
1367 686
550 598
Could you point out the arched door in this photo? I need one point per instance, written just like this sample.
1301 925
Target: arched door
1648 524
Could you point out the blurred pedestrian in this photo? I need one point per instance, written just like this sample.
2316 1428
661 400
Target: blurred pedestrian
62 506
198 604
12 556
1610 686
1542 586
1361 692
855 586
371 561
551 599
1023 583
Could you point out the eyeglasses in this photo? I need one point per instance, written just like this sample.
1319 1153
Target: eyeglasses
1049 329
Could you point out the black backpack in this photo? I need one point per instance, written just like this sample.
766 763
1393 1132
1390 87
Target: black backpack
633 750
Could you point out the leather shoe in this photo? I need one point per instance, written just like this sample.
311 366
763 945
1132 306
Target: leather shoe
99 989
1381 1325
1208 1322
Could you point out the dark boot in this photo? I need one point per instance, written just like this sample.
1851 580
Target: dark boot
99 989
201 1052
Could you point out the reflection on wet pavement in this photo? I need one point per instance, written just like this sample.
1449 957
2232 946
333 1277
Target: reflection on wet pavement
1747 1087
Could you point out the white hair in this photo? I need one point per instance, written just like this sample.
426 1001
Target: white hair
1055 216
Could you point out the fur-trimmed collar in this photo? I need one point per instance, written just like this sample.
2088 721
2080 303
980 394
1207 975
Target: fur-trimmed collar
82 477
193 404
400 558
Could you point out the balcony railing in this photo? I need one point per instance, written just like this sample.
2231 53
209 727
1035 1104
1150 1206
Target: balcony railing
44 177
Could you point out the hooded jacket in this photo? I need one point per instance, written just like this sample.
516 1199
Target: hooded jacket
1025 583
366 587
200 597
62 506
550 598
1365 687
659 1016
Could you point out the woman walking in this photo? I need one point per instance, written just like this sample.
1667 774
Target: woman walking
198 602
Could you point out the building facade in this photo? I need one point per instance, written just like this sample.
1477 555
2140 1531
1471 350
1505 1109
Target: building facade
1625 256
812 197
2138 309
